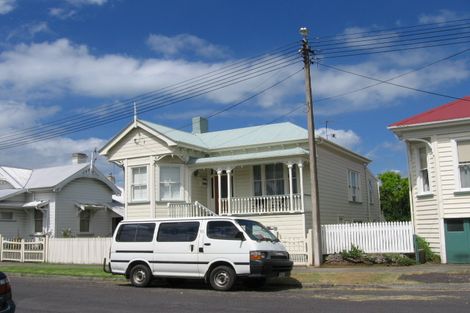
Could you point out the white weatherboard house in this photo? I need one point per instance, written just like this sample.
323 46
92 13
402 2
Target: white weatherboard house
438 145
47 201
258 172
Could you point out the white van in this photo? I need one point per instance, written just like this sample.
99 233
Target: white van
217 249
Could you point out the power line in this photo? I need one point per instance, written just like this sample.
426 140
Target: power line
393 84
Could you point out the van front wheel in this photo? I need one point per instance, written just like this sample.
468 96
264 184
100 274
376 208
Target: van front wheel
140 275
222 278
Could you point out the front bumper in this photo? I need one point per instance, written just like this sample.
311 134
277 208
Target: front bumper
270 268
7 307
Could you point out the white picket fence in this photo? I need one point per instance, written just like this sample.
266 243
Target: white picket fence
56 250
386 237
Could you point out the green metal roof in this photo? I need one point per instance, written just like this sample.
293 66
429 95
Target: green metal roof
251 156
247 136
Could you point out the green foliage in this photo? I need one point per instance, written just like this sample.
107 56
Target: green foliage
353 254
67 233
428 254
394 197
399 259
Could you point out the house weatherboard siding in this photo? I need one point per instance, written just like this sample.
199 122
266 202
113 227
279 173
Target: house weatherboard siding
437 132
216 170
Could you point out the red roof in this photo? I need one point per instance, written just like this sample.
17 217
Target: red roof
458 109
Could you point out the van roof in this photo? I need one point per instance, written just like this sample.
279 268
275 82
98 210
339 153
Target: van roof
172 219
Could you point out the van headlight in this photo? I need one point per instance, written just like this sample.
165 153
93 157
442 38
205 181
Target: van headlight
258 255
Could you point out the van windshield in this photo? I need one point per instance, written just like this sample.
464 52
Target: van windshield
257 231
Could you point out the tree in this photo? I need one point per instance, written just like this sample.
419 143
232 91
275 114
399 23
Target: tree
394 196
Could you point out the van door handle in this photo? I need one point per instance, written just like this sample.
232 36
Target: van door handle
207 244
192 248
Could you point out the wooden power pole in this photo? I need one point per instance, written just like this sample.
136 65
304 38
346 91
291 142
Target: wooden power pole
317 255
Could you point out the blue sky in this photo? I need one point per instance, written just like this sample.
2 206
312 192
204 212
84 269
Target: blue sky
61 57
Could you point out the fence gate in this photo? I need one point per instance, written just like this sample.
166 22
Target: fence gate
22 250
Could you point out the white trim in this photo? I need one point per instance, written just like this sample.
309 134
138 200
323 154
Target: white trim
420 192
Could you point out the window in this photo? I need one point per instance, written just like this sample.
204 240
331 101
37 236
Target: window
142 232
455 225
294 179
85 221
371 192
170 183
178 232
274 179
423 176
6 216
38 217
139 184
257 181
463 154
222 230
354 186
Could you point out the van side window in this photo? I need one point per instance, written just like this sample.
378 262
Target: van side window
180 231
222 230
135 232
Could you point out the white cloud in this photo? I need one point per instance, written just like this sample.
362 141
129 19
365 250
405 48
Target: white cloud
18 115
6 6
29 31
345 138
86 2
62 13
51 69
441 17
183 43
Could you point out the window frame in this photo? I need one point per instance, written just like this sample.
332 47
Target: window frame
118 233
159 182
84 218
264 180
191 223
456 163
132 184
354 194
37 220
10 219
218 238
421 191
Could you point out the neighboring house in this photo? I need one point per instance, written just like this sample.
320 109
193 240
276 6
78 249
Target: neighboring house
51 201
259 172
438 146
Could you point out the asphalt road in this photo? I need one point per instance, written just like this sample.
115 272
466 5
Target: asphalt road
46 294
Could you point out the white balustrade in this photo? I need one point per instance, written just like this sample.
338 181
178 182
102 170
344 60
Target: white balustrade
261 205
178 210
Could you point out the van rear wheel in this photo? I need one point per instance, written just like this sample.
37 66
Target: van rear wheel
222 278
140 275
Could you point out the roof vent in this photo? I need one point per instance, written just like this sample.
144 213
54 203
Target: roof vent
79 158
200 125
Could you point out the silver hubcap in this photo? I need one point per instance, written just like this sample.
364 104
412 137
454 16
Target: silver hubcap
222 279
139 276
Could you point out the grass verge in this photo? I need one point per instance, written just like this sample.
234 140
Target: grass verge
74 270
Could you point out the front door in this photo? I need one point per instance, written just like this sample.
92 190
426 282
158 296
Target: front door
458 240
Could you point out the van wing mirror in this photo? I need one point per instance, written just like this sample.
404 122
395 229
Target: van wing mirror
240 236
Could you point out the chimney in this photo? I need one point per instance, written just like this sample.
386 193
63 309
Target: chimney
200 125
79 158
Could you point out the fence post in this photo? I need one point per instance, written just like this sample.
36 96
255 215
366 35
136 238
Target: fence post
45 249
1 248
22 251
310 247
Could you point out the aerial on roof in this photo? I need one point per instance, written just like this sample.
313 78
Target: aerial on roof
455 110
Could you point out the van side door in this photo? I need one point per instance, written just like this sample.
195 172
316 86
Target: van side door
222 242
176 249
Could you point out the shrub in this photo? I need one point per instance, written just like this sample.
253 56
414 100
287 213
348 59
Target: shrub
429 256
399 259
353 254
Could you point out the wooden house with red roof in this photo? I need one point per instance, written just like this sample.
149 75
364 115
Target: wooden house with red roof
438 147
